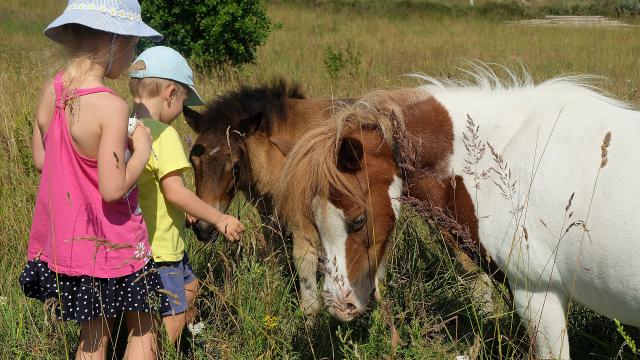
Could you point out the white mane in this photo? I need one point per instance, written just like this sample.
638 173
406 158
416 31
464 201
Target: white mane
482 77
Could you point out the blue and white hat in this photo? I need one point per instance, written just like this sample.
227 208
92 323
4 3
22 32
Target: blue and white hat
120 17
165 63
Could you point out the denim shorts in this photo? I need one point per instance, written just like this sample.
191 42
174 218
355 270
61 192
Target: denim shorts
175 275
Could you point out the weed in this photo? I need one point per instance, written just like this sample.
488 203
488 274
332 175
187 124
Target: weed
340 59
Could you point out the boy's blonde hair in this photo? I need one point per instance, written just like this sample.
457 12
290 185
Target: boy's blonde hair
151 86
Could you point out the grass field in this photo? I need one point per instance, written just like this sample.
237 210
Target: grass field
249 304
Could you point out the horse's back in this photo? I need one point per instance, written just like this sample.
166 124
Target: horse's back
583 204
570 223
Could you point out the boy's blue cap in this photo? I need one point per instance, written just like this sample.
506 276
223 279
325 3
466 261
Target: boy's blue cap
120 17
165 63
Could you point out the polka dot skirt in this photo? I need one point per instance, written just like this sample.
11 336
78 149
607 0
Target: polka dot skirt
83 298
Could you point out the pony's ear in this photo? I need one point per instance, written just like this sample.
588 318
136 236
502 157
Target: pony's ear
193 118
251 124
349 155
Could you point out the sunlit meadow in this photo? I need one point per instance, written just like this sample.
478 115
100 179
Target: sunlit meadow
248 307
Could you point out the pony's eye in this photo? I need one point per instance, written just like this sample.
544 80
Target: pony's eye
358 223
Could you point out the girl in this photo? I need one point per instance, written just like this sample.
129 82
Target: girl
88 252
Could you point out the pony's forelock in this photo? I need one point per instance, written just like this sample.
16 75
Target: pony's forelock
314 158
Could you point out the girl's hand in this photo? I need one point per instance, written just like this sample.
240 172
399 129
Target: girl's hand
231 227
141 139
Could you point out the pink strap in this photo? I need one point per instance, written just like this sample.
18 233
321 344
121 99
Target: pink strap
58 86
62 95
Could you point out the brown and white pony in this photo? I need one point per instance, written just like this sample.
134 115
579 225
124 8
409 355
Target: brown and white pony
242 140
543 176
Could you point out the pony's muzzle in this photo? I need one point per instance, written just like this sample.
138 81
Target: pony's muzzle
204 231
346 307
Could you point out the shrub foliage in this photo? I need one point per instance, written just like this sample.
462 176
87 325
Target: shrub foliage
210 32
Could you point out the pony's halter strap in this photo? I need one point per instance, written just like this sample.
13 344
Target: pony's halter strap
111 52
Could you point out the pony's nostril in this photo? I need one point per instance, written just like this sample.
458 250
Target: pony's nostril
203 231
190 225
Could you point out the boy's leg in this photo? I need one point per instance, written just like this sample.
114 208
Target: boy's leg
142 336
191 289
181 286
175 323
94 338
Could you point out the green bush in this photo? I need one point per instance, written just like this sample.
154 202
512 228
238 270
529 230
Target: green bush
210 32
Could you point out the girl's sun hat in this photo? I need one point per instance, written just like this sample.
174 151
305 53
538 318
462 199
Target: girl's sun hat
166 63
121 17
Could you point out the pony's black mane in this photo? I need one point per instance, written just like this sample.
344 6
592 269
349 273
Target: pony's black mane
234 109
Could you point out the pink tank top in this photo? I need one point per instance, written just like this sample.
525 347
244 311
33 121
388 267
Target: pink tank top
74 231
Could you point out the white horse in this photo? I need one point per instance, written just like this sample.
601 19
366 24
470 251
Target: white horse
549 172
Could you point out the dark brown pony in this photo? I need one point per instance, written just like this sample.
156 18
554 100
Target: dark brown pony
242 141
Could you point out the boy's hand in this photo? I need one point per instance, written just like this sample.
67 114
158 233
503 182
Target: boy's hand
231 227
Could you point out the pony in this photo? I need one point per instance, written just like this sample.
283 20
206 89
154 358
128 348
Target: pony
242 139
542 178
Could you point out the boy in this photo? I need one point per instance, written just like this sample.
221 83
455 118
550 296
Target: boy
161 84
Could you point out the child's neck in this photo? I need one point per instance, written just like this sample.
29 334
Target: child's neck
149 108
93 73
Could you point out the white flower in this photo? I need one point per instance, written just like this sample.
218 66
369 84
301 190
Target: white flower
140 251
3 300
196 329
462 357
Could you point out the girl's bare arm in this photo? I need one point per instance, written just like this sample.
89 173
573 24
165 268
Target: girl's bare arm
42 118
115 177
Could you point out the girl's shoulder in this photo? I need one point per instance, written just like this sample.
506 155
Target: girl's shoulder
48 91
106 104
106 99
45 105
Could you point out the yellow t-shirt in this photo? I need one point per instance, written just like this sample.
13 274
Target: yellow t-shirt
165 222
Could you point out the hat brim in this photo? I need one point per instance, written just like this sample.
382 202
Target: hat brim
103 22
193 98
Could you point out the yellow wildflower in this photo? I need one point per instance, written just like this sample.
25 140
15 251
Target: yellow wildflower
270 322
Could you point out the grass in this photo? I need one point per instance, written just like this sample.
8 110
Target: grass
249 304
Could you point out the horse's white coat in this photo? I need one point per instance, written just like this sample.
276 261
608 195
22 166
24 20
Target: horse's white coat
395 191
550 136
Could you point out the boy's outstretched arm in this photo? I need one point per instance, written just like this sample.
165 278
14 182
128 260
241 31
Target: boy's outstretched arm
176 193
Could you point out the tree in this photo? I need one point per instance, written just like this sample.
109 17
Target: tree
210 32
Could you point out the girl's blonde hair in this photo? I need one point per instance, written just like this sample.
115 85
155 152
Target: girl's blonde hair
84 48
151 86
